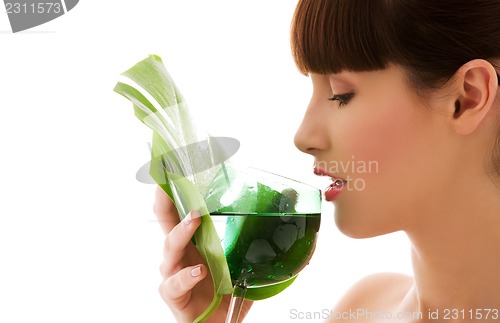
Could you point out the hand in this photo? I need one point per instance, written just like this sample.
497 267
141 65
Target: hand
187 285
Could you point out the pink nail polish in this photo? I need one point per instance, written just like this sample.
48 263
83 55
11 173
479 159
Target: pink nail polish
195 214
187 219
196 271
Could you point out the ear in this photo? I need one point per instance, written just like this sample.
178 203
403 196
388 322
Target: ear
476 88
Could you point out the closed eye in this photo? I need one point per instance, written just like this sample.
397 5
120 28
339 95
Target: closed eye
343 98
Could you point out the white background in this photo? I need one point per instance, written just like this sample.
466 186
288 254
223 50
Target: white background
78 238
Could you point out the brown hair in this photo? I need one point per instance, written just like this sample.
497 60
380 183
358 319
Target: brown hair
430 39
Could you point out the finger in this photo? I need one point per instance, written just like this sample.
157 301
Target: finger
175 290
179 237
165 210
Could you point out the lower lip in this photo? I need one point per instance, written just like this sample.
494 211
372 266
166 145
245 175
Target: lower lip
332 192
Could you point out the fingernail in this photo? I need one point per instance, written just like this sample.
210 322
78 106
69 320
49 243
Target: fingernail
187 219
190 216
196 271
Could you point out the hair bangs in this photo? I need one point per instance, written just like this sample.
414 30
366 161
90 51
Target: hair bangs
328 36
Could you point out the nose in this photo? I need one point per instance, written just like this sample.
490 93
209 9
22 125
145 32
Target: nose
311 136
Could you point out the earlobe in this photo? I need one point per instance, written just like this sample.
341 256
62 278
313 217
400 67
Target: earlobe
476 91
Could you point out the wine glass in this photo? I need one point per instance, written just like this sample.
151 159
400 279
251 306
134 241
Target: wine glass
267 225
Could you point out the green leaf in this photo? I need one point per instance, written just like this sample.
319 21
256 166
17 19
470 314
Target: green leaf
174 128
166 113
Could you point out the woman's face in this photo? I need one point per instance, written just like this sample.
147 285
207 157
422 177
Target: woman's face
379 137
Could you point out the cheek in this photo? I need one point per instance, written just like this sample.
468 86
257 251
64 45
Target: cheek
388 145
388 137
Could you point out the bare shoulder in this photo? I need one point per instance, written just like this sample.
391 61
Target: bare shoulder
380 292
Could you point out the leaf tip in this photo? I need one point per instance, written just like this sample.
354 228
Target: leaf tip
158 58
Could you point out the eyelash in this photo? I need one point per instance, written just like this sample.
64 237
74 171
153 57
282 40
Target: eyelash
342 98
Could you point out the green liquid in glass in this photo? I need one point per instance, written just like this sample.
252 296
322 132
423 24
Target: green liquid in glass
263 249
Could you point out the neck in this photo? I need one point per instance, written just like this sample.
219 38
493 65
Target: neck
456 252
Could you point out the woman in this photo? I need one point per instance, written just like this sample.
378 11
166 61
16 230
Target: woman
414 86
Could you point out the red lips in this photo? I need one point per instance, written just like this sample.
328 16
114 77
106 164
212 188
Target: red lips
334 189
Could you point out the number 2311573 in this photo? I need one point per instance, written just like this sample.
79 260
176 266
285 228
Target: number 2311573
33 8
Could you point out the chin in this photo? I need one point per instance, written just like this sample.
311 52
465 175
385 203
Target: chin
361 227
356 233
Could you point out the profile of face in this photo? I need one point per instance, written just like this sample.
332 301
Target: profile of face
400 153
393 127
382 140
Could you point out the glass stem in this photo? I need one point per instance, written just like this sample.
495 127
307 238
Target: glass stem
236 304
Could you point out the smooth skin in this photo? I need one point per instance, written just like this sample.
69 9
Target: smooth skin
434 181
